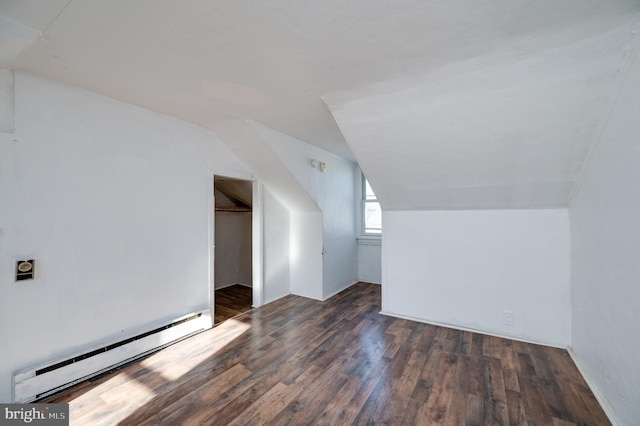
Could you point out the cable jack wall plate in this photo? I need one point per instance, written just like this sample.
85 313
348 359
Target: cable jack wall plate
25 269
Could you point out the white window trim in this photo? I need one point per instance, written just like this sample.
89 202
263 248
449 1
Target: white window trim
362 238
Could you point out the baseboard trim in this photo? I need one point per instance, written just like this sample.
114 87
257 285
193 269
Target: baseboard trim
594 389
339 291
474 330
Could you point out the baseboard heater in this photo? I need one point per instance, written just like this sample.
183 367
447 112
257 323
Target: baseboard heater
45 379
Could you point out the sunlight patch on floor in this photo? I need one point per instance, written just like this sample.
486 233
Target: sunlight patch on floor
129 394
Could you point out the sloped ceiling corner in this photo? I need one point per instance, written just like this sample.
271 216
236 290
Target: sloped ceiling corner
22 24
14 39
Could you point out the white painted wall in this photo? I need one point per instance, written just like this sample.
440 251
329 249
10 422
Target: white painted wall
334 193
305 254
369 258
276 248
233 249
113 203
606 273
6 100
464 268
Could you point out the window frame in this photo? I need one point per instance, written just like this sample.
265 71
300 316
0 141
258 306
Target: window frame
361 200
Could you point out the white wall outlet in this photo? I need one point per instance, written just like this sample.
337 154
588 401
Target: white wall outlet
507 318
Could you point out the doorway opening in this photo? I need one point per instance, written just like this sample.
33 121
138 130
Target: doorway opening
233 242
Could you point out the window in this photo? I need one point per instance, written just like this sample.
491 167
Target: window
368 213
372 213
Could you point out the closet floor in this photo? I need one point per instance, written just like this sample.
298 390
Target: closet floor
232 301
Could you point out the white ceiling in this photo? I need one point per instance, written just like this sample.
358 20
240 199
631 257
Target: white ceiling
444 103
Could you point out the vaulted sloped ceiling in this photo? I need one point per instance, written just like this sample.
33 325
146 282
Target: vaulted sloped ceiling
444 103
509 129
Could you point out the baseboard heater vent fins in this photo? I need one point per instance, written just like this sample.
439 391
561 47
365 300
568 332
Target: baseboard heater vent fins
42 380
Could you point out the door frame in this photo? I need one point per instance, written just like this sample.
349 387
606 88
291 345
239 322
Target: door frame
256 240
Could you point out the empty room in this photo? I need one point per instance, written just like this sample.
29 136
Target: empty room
279 212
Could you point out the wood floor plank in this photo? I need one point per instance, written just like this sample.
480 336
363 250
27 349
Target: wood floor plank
584 408
458 407
248 391
425 342
301 361
232 301
478 342
317 399
376 404
552 393
423 387
467 343
350 412
476 376
267 406
517 416
242 394
334 409
436 409
408 380
495 399
508 359
534 401
475 410
316 393
196 401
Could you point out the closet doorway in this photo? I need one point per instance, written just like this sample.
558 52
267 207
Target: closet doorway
233 266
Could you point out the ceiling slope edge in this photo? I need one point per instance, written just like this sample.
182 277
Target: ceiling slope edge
246 143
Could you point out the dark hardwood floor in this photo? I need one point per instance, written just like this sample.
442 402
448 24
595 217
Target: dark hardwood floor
231 301
298 361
